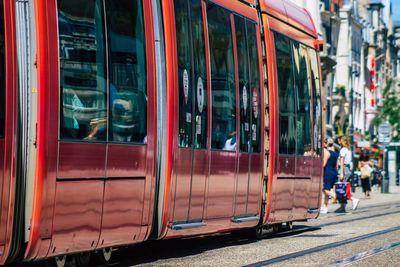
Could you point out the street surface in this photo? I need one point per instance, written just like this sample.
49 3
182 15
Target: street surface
368 236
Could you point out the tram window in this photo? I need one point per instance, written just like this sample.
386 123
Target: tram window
82 70
192 73
244 85
200 70
303 121
222 79
184 72
2 74
128 93
316 92
287 100
255 88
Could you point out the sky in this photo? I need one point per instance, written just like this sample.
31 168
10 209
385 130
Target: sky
396 10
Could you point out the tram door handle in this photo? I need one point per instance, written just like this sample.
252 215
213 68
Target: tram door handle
286 162
305 163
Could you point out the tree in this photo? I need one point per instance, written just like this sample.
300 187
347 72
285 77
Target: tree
390 110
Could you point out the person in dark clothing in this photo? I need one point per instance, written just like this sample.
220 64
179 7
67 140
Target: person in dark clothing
330 173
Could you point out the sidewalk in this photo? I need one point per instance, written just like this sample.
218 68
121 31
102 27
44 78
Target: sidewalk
376 198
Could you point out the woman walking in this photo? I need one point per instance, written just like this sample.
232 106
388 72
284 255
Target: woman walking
330 173
345 165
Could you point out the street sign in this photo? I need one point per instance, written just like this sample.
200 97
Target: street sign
385 129
384 133
364 144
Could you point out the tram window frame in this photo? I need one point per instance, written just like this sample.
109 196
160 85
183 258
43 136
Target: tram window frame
101 59
2 74
222 137
192 74
317 104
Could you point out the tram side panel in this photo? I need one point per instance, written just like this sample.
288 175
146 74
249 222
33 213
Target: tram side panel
211 184
295 185
96 119
8 129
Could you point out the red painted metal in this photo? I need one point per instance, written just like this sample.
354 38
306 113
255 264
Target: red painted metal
126 161
8 145
221 185
47 129
81 160
239 8
77 216
171 73
200 174
289 13
122 212
182 177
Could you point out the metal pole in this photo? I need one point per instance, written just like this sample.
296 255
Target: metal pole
385 179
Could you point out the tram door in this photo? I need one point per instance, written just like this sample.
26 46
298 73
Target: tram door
191 167
286 169
304 129
248 181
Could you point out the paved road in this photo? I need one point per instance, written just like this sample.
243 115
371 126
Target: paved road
369 236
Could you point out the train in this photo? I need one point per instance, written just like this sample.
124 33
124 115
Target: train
123 121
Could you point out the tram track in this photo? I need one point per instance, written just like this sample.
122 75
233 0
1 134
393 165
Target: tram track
321 248
198 245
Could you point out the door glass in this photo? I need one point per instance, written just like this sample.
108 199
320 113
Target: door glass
287 100
255 99
192 74
128 87
82 70
200 75
303 122
244 85
2 74
184 72
222 79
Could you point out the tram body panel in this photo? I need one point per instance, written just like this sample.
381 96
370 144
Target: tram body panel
293 188
84 160
8 134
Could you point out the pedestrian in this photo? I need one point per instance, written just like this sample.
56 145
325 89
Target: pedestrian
345 167
365 166
330 173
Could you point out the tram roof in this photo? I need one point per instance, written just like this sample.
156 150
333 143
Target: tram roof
289 12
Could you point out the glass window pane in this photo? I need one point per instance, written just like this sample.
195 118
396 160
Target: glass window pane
287 100
2 74
244 85
316 91
222 79
255 88
82 70
184 72
303 121
200 70
128 86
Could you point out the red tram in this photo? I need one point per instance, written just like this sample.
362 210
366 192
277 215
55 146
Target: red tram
128 120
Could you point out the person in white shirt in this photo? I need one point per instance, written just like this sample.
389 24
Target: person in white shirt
345 166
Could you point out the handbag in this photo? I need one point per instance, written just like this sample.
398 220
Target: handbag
340 190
